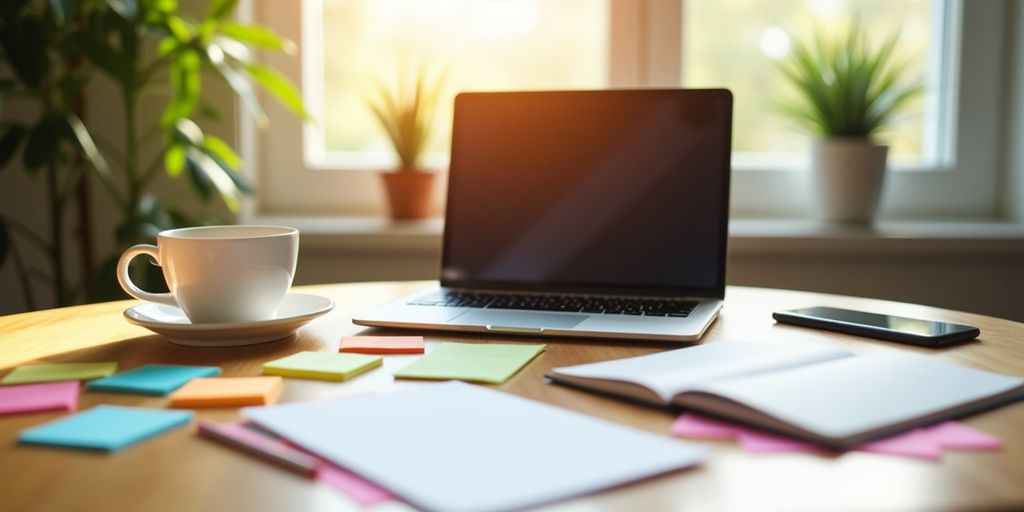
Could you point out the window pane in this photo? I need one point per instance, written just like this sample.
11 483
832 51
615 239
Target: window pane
478 44
734 44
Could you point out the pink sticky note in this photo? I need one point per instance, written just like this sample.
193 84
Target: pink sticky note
693 425
915 444
39 397
362 491
957 436
759 442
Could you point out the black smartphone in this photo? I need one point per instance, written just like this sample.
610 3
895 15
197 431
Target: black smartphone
925 333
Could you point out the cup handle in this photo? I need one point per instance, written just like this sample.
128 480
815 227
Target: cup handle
126 281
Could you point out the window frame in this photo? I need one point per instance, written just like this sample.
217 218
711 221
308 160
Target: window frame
646 51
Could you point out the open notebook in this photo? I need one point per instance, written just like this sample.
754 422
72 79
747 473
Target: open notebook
821 394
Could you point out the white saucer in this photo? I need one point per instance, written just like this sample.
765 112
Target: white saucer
297 309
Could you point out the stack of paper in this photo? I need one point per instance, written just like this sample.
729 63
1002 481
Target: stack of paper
457 447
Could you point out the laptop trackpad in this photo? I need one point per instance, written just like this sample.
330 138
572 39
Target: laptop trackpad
519 319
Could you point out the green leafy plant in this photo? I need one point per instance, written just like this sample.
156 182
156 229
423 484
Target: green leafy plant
153 52
843 86
407 114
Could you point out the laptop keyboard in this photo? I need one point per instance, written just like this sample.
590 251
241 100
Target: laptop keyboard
565 303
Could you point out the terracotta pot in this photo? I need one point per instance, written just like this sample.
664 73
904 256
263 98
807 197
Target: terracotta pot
410 193
848 178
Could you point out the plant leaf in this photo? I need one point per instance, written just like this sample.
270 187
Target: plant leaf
258 36
220 9
216 147
43 142
10 9
106 58
62 10
201 163
9 143
185 87
127 9
174 159
240 84
278 86
180 28
24 43
79 134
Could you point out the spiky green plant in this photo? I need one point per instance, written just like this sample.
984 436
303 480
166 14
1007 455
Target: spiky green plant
843 86
407 112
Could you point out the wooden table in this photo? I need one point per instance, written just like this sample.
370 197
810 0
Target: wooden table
180 471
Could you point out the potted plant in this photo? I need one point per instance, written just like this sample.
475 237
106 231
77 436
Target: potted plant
846 90
407 115
155 54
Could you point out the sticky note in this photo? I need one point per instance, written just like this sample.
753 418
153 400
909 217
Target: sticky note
152 379
927 443
484 362
382 344
59 371
105 427
321 365
39 397
228 392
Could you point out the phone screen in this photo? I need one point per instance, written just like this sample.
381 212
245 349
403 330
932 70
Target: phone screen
894 323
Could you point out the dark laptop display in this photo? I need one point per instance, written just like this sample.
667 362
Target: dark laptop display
602 191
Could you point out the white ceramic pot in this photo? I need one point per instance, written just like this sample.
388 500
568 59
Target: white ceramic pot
848 177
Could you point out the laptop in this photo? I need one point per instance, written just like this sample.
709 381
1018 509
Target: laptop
599 214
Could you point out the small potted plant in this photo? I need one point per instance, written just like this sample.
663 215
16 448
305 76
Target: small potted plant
846 90
407 115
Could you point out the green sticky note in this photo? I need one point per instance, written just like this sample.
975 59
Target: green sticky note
59 371
490 362
321 365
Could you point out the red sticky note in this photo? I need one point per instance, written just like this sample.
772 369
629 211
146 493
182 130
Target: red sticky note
39 397
382 344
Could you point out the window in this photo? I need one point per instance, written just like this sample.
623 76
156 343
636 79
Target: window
946 153
468 44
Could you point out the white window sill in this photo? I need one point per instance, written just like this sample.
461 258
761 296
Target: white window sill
746 236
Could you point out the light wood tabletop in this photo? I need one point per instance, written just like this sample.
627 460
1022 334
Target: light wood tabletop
180 471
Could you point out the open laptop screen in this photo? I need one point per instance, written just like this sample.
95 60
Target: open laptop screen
590 191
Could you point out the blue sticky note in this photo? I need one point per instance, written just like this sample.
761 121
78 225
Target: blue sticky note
106 427
153 379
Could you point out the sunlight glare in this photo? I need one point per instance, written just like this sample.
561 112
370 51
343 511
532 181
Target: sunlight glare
498 20
775 42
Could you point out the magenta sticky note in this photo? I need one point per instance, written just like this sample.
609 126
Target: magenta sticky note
48 396
915 444
759 442
692 425
957 436
363 492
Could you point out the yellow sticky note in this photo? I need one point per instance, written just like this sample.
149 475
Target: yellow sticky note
59 371
322 365
228 392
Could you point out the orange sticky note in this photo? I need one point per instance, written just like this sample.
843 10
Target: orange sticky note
228 392
382 344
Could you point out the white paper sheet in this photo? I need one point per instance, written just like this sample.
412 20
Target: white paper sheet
458 447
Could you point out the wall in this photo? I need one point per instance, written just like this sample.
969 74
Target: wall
1014 122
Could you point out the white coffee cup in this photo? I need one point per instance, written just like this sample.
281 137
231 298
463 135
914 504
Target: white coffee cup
220 274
